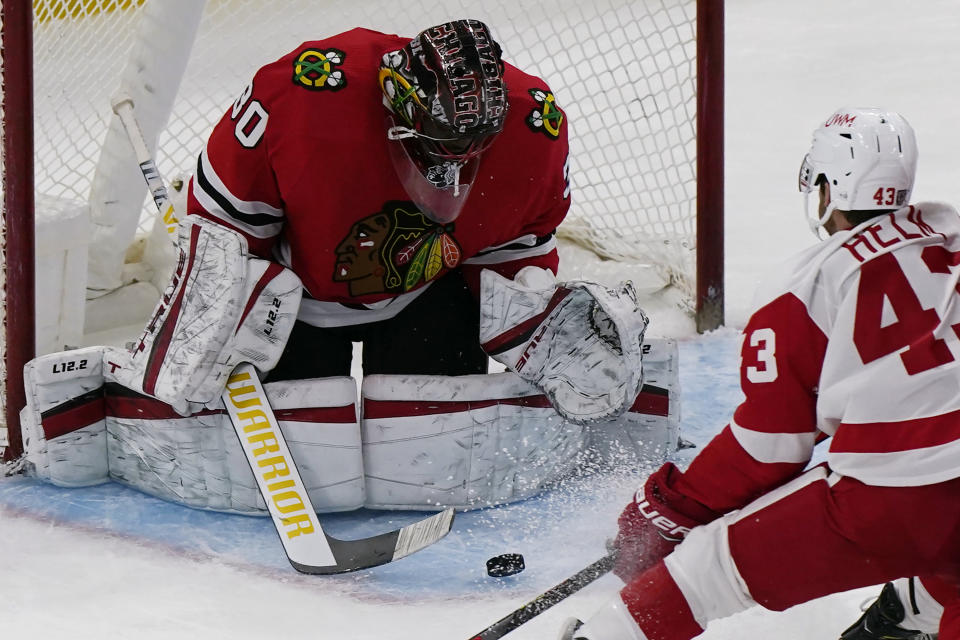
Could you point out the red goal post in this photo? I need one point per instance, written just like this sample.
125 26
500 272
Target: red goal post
641 82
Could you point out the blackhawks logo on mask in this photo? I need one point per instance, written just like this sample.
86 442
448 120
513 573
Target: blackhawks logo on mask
394 250
548 119
317 70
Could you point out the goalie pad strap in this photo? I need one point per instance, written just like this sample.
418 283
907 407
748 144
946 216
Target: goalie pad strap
128 404
523 331
651 400
72 415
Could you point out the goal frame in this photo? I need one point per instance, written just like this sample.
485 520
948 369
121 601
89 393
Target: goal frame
709 313
18 211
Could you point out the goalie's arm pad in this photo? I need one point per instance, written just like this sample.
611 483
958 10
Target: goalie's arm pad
578 342
222 307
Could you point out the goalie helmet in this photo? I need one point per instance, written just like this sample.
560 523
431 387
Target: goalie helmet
447 101
868 157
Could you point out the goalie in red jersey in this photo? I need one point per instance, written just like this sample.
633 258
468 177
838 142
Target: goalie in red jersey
402 193
855 338
386 173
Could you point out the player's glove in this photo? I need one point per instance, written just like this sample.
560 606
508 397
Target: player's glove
658 518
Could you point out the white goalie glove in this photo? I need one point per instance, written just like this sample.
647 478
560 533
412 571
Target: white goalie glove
578 342
222 307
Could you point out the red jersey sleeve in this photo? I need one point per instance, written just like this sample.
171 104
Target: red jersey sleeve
537 130
234 183
772 434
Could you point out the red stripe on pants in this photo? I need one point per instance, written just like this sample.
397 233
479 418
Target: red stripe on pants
823 539
658 606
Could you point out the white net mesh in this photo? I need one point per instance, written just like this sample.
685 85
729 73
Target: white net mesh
624 71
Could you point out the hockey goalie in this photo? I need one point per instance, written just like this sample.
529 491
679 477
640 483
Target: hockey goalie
398 193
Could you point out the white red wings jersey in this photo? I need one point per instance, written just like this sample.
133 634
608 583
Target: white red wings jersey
857 338
299 165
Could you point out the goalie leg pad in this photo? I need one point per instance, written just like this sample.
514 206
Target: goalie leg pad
63 426
81 427
649 432
479 440
197 461
463 441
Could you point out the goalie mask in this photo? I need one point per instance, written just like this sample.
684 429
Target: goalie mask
447 101
867 156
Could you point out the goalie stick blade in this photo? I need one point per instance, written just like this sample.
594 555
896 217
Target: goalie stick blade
353 555
308 547
547 599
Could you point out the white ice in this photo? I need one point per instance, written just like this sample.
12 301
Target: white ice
789 65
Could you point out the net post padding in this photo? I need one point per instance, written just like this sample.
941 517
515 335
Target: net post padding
18 230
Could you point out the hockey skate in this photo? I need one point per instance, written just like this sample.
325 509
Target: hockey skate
881 621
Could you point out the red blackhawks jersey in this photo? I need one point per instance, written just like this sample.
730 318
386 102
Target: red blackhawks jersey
300 166
858 339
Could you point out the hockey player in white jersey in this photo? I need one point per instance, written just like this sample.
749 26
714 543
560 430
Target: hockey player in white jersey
857 338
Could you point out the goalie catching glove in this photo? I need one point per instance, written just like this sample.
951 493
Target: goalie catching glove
222 307
578 342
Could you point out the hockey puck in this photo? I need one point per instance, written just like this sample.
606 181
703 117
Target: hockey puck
504 565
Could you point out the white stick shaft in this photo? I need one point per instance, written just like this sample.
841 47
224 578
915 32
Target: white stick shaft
123 107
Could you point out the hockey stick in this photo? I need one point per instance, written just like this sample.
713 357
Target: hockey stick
547 599
122 105
309 549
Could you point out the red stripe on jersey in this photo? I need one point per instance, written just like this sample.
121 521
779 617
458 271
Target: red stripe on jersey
889 437
724 476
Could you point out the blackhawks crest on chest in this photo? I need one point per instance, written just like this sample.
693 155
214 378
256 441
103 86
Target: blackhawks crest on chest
395 250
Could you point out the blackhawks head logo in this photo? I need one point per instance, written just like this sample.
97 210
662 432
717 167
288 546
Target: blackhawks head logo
394 250
317 70
548 118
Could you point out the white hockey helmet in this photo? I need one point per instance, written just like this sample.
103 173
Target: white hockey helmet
869 158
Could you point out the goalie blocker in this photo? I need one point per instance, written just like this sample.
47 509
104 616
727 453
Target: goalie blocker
422 442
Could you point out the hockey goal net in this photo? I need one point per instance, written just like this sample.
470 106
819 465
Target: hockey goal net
626 72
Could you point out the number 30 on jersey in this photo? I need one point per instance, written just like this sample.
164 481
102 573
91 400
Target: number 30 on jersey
250 118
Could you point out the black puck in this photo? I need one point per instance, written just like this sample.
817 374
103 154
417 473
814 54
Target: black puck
504 565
